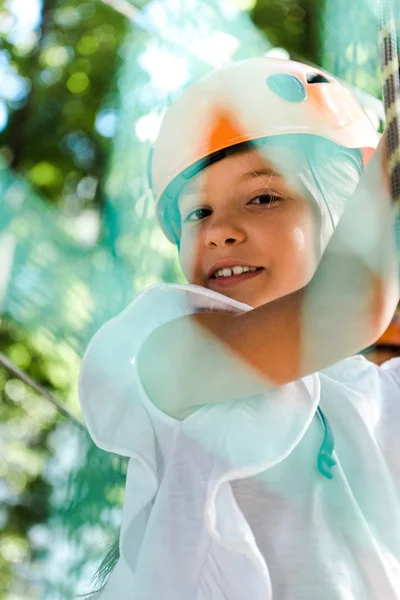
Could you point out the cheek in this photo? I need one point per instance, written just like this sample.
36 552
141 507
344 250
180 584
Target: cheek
299 239
303 241
297 249
304 244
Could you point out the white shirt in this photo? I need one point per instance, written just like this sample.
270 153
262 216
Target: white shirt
229 503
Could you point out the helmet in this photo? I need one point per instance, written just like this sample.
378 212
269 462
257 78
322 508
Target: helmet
244 102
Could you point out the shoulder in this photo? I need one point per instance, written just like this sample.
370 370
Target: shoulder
349 370
358 371
373 390
359 376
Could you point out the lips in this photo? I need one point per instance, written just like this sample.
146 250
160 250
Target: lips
232 280
228 263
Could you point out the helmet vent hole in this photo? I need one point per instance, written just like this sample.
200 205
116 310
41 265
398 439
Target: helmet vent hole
287 86
316 78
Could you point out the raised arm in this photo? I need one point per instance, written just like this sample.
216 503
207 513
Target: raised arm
216 357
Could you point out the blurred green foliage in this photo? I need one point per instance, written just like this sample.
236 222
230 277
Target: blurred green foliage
69 64
79 102
58 77
293 25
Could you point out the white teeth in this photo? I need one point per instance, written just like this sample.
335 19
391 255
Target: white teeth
237 270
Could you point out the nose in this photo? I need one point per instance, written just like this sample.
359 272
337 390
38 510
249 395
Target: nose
225 231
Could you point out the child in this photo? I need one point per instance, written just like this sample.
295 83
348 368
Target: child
264 464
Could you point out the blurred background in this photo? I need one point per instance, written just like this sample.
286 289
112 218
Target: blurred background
83 87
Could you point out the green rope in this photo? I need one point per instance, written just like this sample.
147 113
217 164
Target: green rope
5 362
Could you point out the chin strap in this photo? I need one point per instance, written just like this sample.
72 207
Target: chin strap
391 93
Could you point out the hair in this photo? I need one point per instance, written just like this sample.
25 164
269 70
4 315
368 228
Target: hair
107 565
327 172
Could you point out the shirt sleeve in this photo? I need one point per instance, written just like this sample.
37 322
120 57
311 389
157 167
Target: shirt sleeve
109 391
259 430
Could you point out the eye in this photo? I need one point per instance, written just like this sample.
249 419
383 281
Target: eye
198 214
265 199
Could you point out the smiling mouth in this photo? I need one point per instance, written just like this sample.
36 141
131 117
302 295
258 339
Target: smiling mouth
229 280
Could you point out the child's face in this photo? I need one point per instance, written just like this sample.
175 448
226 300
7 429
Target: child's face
238 212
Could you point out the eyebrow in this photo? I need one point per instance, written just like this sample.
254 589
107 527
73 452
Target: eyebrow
252 174
268 171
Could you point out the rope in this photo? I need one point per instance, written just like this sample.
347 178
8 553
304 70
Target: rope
38 388
391 93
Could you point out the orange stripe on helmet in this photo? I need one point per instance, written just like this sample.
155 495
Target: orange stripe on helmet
223 132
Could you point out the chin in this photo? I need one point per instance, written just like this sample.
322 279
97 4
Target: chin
258 300
244 298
